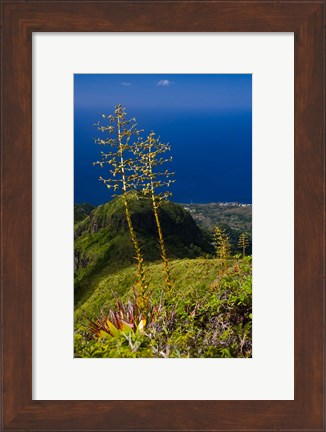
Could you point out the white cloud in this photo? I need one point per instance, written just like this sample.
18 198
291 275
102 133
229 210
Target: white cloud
164 83
126 84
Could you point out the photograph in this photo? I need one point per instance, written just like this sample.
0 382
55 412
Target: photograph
162 216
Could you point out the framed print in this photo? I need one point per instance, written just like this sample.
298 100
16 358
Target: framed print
229 378
260 66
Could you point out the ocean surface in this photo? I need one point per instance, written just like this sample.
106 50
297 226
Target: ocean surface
212 154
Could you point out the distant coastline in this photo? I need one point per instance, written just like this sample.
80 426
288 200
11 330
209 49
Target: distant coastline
213 203
218 203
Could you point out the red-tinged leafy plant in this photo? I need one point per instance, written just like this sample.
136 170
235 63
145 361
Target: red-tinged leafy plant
123 320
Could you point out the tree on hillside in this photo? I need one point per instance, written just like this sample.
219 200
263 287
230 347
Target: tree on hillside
123 177
150 157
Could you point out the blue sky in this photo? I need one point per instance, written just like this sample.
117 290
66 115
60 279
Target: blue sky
207 119
184 91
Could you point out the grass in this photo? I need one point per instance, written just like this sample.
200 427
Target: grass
209 315
191 276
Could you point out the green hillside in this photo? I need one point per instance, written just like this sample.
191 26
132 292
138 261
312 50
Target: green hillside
234 218
81 211
208 313
235 215
102 241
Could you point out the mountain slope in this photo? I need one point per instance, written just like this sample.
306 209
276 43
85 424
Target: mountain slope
234 215
102 242
210 317
81 211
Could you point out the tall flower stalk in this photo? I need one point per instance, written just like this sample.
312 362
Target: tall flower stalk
222 245
149 157
243 243
124 177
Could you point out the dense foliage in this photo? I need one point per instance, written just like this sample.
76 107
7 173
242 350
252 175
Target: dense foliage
81 211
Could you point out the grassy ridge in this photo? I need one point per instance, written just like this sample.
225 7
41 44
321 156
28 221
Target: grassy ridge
102 240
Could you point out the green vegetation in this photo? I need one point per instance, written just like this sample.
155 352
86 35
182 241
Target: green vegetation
210 312
233 218
234 215
210 315
103 246
81 211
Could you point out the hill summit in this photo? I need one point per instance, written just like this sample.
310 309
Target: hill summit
103 245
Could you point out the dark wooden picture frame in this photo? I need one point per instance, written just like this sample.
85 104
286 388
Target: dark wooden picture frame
19 20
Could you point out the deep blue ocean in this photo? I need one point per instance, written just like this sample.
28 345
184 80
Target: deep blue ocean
212 154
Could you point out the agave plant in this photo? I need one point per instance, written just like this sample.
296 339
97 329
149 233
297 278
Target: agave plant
125 319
